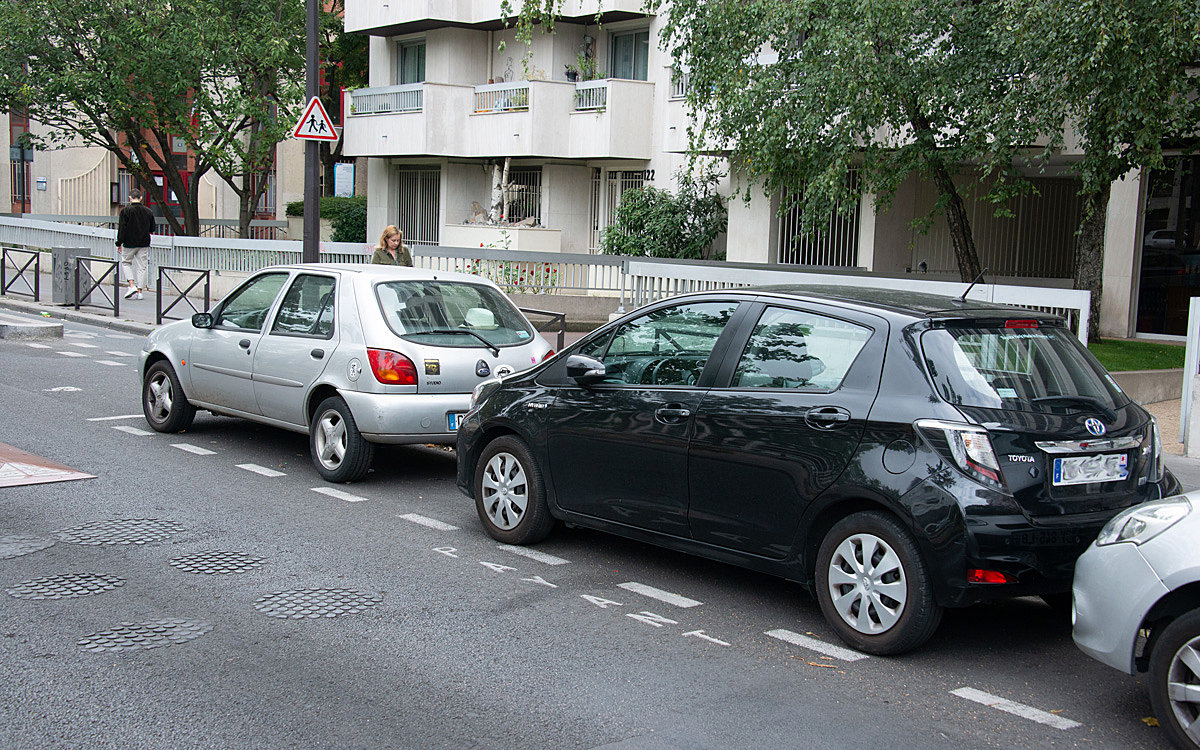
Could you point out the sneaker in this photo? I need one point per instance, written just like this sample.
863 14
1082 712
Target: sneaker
139 295
130 292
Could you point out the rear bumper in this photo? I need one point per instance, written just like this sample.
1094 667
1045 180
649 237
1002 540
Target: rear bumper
406 418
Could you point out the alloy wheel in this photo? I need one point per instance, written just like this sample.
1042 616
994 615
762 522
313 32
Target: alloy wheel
331 439
505 491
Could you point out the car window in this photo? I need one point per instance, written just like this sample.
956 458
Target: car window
247 308
307 308
800 350
452 313
668 346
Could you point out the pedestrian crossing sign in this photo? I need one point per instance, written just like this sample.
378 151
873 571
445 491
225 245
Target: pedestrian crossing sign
315 124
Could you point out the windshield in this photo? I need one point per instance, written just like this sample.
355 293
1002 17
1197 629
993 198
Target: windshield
1027 369
441 312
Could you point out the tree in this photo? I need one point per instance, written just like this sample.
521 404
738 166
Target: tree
651 221
1120 76
132 75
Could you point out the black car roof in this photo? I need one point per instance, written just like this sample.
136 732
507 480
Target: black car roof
900 301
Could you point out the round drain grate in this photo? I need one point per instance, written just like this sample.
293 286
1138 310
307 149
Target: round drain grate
120 531
15 546
67 586
315 603
216 561
129 636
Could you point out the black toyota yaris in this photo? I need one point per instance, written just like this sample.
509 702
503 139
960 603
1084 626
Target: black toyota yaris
895 453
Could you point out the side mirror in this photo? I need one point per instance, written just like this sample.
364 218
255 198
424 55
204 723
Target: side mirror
202 320
585 370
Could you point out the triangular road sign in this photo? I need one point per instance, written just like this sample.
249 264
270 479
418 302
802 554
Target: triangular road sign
316 124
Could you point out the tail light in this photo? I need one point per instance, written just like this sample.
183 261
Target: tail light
967 446
1156 457
392 368
549 354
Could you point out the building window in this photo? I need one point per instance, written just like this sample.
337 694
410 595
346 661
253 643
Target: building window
630 55
410 62
523 198
607 189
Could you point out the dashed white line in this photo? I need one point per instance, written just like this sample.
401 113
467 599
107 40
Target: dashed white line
261 470
659 594
132 430
37 346
119 354
1016 709
82 345
533 554
821 647
339 494
194 449
113 419
430 522
109 362
72 354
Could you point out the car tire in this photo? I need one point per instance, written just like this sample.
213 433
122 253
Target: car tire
1175 661
164 405
339 451
873 586
510 493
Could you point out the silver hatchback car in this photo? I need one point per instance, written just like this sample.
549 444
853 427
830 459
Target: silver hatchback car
352 355
1137 606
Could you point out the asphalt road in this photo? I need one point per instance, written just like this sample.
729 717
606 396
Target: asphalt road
442 638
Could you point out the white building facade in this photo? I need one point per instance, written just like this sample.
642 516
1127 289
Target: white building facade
453 93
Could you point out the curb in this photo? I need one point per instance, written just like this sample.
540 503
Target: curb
76 316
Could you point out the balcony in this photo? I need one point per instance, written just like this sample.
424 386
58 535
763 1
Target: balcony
547 119
410 16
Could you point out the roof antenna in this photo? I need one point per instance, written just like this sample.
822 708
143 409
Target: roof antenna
973 283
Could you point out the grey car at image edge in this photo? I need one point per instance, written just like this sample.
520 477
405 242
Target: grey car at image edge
895 453
1137 606
352 355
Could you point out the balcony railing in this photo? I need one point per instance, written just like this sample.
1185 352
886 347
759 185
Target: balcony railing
591 95
407 97
502 97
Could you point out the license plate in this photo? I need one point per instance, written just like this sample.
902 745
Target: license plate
453 420
1110 467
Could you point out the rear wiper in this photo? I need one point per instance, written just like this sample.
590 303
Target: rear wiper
495 350
1065 398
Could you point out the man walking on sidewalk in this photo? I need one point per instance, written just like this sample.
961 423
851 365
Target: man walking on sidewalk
133 240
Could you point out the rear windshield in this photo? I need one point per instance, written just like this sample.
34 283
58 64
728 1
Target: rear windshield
1027 369
448 313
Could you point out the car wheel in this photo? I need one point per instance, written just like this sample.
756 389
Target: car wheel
339 450
510 493
1175 679
163 403
873 587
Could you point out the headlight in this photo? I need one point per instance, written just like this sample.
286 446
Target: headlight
1144 522
480 393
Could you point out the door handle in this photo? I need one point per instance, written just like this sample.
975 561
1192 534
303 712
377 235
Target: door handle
245 344
672 413
827 417
317 353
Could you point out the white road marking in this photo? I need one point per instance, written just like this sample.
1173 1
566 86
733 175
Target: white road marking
261 470
1016 709
117 336
109 362
431 523
652 619
533 554
72 354
62 389
659 594
113 419
37 346
194 449
82 345
132 430
709 638
119 354
339 494
821 647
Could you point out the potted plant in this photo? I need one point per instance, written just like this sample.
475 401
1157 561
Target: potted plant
572 73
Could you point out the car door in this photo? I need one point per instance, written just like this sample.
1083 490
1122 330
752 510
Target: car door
619 448
786 419
295 351
222 357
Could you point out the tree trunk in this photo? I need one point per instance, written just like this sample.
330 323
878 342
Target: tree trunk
960 226
1089 255
499 186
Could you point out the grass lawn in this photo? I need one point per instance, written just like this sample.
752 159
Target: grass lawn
1120 355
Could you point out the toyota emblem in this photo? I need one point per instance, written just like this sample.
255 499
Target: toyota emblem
1094 426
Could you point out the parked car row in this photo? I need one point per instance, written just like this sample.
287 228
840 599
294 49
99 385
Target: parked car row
894 453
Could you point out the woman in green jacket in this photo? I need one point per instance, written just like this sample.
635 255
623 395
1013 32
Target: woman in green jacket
390 251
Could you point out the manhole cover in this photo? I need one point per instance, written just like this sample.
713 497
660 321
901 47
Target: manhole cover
120 531
129 636
66 586
216 561
315 603
15 546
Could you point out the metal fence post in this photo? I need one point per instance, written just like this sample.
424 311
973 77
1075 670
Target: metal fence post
1191 365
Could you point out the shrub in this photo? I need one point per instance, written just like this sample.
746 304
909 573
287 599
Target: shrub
653 222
